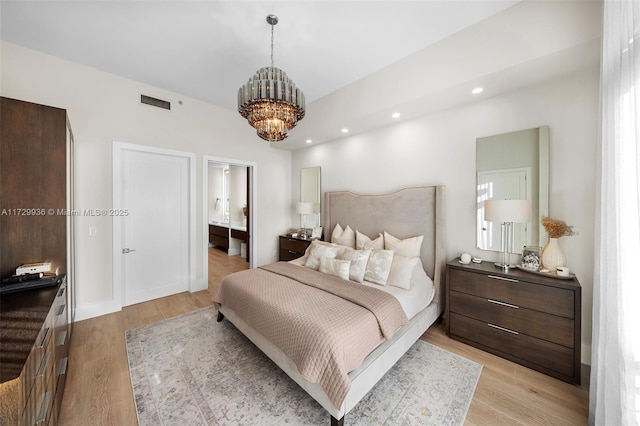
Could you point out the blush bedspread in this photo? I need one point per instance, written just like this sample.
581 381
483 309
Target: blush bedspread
324 324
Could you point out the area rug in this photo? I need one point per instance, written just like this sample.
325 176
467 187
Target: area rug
192 370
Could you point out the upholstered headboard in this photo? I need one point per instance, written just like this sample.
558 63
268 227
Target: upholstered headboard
404 213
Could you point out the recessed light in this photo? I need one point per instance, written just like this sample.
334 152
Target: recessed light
477 90
309 141
345 130
395 115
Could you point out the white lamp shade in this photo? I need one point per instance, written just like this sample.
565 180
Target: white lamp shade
304 208
517 211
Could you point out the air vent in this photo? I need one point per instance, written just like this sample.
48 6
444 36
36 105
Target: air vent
148 100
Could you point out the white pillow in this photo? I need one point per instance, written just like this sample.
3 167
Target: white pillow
409 247
363 242
378 266
337 267
318 252
401 271
358 259
313 244
344 237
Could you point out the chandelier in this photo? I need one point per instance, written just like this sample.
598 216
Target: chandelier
270 101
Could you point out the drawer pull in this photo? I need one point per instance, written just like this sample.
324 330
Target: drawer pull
61 310
61 292
495 277
62 338
44 407
502 328
43 364
508 305
44 338
292 252
62 366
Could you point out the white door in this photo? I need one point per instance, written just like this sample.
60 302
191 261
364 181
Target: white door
508 184
154 231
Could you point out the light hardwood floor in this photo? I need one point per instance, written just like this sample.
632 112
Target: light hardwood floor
98 389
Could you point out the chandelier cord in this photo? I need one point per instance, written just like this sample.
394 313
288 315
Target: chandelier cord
272 25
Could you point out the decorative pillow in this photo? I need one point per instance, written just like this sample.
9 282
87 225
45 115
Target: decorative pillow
363 242
344 237
320 251
378 266
358 259
313 244
401 271
409 247
337 267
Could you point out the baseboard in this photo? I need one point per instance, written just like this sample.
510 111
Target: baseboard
92 310
199 285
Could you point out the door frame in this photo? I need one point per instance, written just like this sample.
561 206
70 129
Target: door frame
118 147
253 239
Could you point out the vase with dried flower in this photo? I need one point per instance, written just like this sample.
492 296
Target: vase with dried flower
552 254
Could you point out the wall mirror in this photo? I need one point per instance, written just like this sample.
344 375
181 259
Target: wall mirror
310 192
513 166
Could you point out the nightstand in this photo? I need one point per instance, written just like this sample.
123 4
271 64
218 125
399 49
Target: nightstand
292 247
527 318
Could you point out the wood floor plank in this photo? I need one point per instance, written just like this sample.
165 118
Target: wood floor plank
98 388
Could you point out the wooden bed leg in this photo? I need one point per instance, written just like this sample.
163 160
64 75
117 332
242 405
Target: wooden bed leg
336 422
220 317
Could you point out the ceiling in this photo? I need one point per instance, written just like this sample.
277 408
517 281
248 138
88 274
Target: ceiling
354 60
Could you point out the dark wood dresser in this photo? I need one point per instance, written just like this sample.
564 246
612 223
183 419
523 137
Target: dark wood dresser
37 224
527 318
292 247
35 329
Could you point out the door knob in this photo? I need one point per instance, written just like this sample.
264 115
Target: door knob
127 250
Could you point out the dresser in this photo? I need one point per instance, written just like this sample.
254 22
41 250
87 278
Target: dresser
37 223
34 350
527 318
292 247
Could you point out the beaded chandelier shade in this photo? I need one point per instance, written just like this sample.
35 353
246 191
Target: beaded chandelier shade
270 101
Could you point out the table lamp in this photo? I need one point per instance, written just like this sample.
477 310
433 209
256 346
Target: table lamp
303 209
507 212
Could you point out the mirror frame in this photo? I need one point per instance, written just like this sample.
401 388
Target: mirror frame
543 187
310 191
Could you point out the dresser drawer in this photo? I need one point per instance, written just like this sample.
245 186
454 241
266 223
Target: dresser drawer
219 241
220 231
552 300
526 321
521 348
294 245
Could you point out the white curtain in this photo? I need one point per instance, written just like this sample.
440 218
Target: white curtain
615 376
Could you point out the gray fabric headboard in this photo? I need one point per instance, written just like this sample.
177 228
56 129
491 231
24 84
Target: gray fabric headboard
404 213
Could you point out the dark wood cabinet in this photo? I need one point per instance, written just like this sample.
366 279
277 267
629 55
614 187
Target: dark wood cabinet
36 225
292 247
219 236
527 318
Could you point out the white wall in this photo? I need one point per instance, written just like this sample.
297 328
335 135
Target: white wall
440 149
103 108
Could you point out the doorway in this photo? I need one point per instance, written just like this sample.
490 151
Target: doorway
153 222
229 205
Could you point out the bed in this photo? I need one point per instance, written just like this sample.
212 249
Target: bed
403 214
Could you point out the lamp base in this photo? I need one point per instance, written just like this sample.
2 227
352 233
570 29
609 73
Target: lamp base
504 266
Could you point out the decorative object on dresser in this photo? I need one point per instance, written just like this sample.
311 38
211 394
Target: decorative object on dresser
527 318
507 212
552 254
292 247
